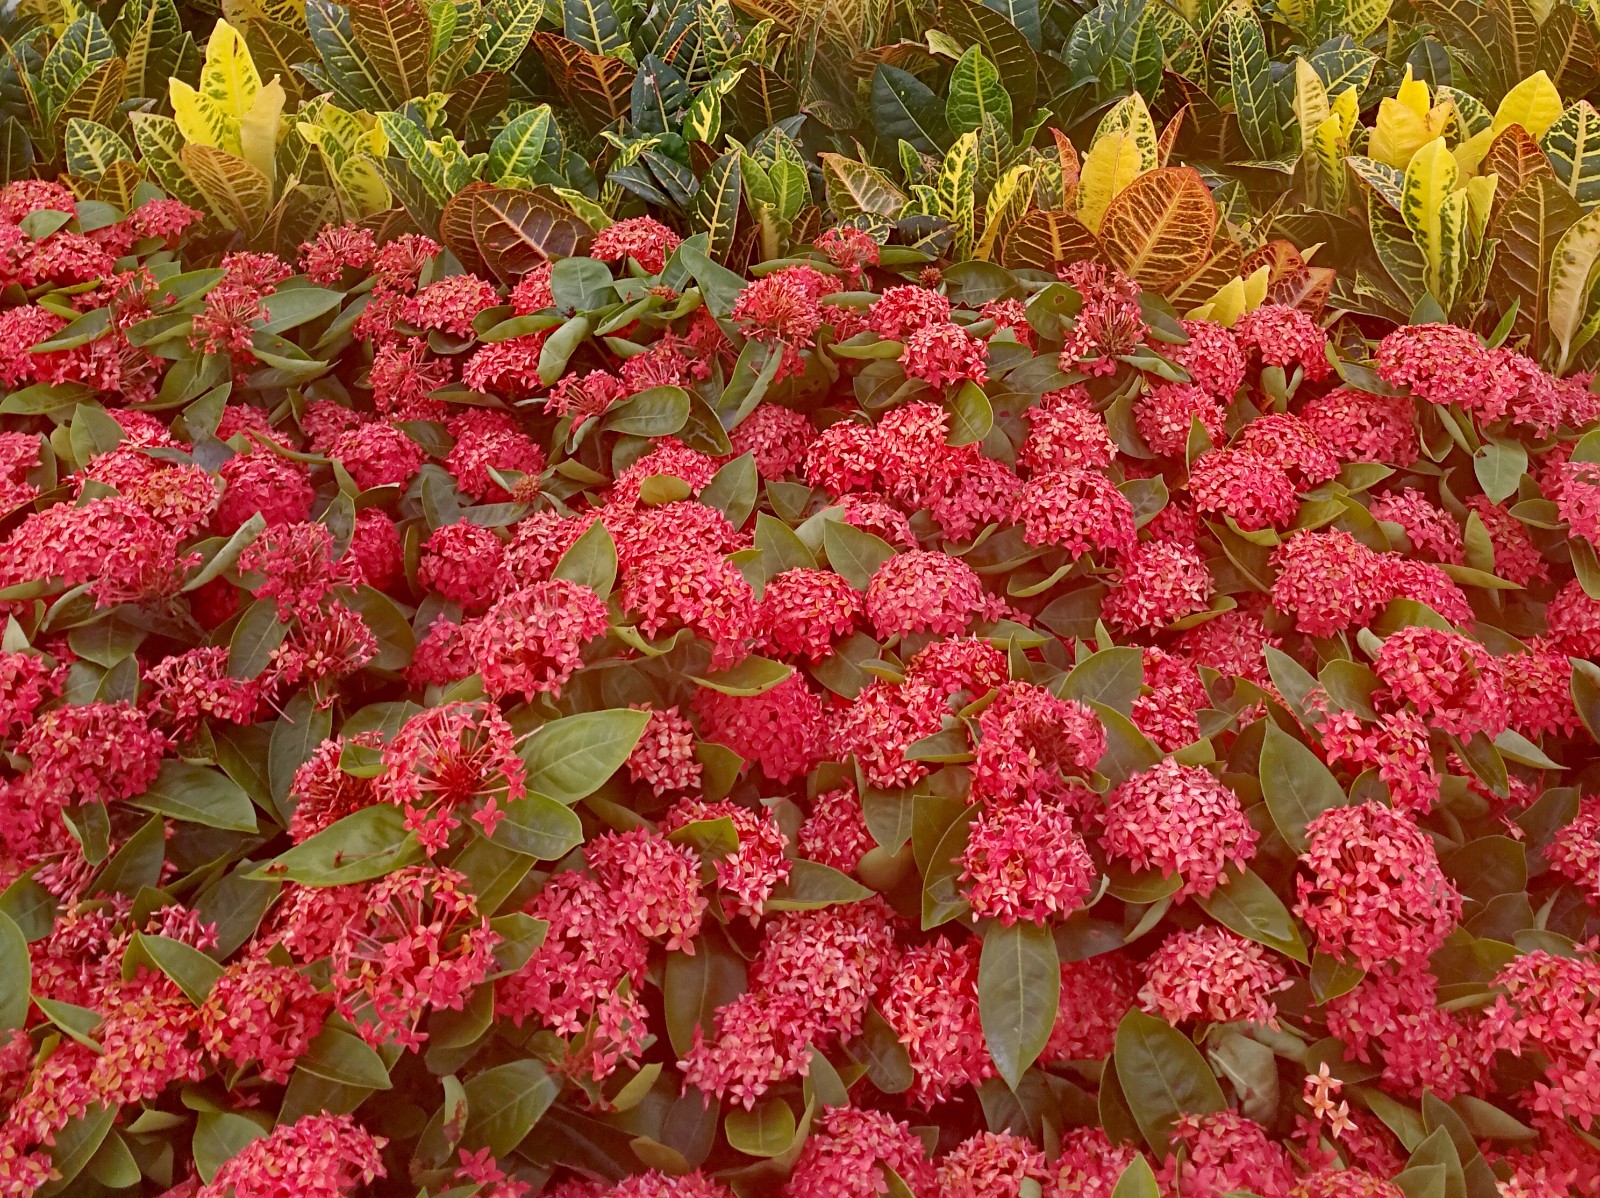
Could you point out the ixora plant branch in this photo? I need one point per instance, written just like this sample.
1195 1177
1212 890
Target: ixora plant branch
619 600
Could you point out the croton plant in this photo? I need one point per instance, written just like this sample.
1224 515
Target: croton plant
1001 680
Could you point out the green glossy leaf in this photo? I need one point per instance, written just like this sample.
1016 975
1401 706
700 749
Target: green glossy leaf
504 1103
198 795
539 827
1162 1076
193 971
1248 906
1019 992
591 561
338 1056
368 844
1296 785
16 972
853 553
572 757
766 1131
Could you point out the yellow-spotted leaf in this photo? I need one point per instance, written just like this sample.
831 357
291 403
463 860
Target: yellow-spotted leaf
229 79
1573 144
1429 182
1574 268
1007 204
1132 116
1310 104
1363 17
1397 249
1534 104
1454 247
956 189
1159 228
1112 163
201 122
362 191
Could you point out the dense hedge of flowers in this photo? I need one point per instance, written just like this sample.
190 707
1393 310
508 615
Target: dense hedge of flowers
866 729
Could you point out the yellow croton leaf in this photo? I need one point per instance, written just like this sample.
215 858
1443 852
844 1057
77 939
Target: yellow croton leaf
1406 123
1534 104
1234 298
1112 163
1311 106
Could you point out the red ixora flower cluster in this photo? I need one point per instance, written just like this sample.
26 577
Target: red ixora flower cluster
829 737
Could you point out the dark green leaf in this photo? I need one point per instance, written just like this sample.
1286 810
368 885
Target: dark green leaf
1163 1076
198 795
572 757
539 827
1019 991
368 844
504 1103
1296 785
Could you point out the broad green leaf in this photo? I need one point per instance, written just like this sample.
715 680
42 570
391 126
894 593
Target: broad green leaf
656 412
338 1056
198 795
1296 785
1138 1180
538 827
766 1131
752 676
1019 992
368 844
1162 1076
75 1145
572 757
693 987
257 634
905 109
591 561
811 885
192 971
1111 676
16 972
1247 905
504 1103
1499 467
853 553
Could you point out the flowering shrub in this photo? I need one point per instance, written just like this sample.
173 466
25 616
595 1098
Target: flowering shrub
878 727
